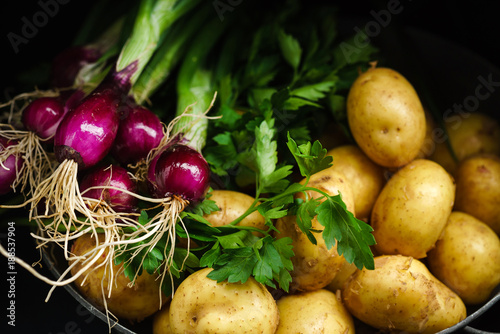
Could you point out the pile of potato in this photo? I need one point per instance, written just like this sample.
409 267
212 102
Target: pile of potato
436 222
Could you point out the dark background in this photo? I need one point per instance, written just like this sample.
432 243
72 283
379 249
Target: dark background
472 24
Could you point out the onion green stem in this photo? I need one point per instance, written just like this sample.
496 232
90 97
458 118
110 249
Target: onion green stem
154 17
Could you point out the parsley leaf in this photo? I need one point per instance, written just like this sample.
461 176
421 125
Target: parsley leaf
270 179
310 158
290 49
353 236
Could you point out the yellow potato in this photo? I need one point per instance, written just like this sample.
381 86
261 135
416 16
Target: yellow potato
467 258
201 305
386 117
412 209
233 204
478 189
366 177
161 321
342 276
400 294
314 266
133 303
475 134
318 311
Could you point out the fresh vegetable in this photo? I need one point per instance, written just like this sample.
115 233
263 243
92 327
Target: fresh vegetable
467 258
231 205
201 305
182 172
412 209
107 287
319 311
478 188
386 117
365 177
315 264
161 321
87 133
469 134
140 131
112 177
10 165
43 115
400 294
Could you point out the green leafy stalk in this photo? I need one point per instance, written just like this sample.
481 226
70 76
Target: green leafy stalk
195 87
237 256
153 18
167 57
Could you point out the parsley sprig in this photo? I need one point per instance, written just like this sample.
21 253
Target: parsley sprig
237 256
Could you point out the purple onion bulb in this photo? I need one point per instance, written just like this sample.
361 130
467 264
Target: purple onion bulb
114 176
139 132
12 164
182 171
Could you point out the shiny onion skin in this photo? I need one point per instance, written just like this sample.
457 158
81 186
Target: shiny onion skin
139 132
114 176
43 115
87 132
13 163
182 171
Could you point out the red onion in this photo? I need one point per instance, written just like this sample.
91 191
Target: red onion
12 164
113 176
43 115
139 132
86 133
182 171
69 62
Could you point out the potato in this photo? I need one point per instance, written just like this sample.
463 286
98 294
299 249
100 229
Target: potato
467 258
412 209
400 294
342 276
366 177
478 189
386 117
161 321
314 266
133 303
475 134
201 305
318 311
233 204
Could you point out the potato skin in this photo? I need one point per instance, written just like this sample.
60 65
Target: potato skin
400 294
467 258
477 133
233 204
478 189
366 177
412 209
133 303
344 273
386 117
161 321
314 266
318 311
201 305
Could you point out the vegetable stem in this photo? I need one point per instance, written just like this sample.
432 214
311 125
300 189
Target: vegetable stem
154 17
